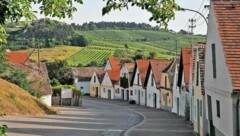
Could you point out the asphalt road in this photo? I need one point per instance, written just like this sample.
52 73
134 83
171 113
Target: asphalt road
100 117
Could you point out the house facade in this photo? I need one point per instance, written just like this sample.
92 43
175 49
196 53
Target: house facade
95 83
123 86
166 85
110 79
222 73
138 81
153 94
177 107
199 119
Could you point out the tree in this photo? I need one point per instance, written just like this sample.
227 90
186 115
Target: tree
162 10
79 40
152 55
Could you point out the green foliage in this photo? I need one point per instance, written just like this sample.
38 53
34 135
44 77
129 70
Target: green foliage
187 111
60 71
152 55
93 64
54 82
162 10
139 54
79 40
3 130
78 90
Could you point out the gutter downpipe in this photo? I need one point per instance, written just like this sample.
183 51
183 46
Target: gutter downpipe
237 114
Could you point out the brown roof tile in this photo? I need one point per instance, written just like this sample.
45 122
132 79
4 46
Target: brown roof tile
85 73
114 75
228 17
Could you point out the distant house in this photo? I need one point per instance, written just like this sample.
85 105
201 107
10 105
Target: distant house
95 83
125 90
16 57
199 120
110 79
138 81
222 69
153 80
39 80
184 83
82 77
166 85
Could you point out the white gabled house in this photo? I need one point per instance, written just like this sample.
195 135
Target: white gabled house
153 80
113 64
184 83
138 82
222 68
110 79
82 77
124 90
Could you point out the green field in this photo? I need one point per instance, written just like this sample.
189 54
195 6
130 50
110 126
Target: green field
105 42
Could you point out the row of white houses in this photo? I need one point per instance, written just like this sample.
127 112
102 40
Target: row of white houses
203 84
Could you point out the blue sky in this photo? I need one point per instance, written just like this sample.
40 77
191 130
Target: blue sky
91 10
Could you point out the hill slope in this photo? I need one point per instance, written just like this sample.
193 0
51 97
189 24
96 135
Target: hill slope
16 101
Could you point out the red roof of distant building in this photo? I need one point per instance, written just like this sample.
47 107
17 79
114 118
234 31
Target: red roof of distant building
115 63
16 57
142 66
227 16
114 75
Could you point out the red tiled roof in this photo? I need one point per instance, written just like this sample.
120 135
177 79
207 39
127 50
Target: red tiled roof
228 17
157 68
115 63
114 75
142 66
16 57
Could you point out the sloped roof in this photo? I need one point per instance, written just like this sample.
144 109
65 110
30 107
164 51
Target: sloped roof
85 73
129 66
227 16
115 63
38 77
100 74
16 57
142 66
157 66
170 70
185 64
114 75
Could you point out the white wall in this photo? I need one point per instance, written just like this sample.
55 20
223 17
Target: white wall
150 92
108 66
104 91
84 85
118 95
66 93
47 99
92 79
176 93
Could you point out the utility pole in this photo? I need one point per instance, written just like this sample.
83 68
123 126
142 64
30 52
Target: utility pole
192 26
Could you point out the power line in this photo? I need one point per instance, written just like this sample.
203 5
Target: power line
199 9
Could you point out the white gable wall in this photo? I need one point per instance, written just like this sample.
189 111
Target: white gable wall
176 94
108 66
107 87
92 79
151 90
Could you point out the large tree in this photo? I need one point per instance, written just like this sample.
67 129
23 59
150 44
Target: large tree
162 10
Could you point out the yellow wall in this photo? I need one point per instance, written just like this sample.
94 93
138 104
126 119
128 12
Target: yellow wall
93 90
166 92
169 97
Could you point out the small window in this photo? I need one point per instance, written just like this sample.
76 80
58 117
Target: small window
197 77
214 61
131 92
138 79
152 80
218 108
200 108
94 79
165 81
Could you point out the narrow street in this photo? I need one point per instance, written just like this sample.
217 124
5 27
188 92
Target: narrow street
100 117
